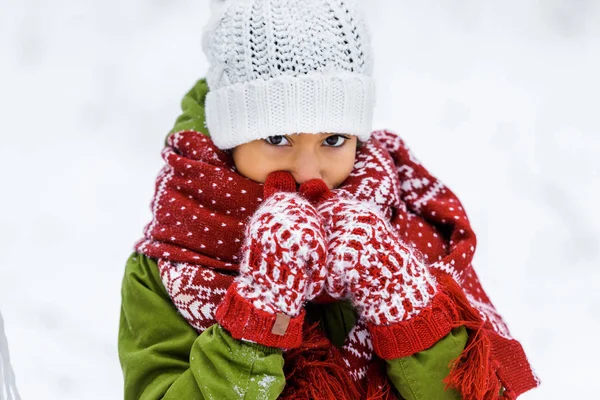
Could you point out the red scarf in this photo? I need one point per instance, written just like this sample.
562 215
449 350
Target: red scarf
199 211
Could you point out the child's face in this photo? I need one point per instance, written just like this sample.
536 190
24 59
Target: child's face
325 156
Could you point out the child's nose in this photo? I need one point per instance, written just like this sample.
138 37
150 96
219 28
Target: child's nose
306 167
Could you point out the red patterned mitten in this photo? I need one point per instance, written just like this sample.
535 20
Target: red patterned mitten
282 266
391 288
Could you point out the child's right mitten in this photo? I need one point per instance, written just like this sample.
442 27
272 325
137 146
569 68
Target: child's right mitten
282 266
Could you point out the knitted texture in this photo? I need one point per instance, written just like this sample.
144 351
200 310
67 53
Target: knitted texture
284 246
202 205
287 66
282 266
367 260
358 351
244 321
387 282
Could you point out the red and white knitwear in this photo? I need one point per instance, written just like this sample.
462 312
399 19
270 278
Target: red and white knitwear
387 282
200 213
282 266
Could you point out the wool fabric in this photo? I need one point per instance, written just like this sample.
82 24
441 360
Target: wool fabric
287 66
282 266
202 204
387 281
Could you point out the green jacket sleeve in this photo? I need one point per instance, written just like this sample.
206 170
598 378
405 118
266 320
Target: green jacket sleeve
420 376
163 357
417 377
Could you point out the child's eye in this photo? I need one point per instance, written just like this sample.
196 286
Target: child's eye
335 140
277 140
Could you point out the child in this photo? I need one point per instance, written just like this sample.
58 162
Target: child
292 252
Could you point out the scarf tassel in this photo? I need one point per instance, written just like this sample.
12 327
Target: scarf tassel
316 370
473 373
379 387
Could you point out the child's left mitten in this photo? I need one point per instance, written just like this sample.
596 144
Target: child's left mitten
393 291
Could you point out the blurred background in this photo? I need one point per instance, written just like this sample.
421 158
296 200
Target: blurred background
499 99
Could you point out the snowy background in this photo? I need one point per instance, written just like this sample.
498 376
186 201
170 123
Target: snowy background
500 99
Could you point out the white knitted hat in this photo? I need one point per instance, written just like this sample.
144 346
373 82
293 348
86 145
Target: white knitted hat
279 67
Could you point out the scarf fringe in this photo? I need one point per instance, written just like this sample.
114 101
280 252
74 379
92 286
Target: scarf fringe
316 370
473 373
378 386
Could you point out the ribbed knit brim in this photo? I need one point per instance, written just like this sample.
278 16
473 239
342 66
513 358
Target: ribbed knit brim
342 102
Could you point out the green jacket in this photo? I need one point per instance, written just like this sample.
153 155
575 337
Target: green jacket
163 357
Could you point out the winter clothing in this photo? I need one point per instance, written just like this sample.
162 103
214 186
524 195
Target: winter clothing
389 285
163 357
192 111
199 210
282 67
282 267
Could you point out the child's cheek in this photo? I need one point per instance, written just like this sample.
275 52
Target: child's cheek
255 168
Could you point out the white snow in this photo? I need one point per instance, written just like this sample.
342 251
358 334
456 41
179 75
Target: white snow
266 381
500 99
